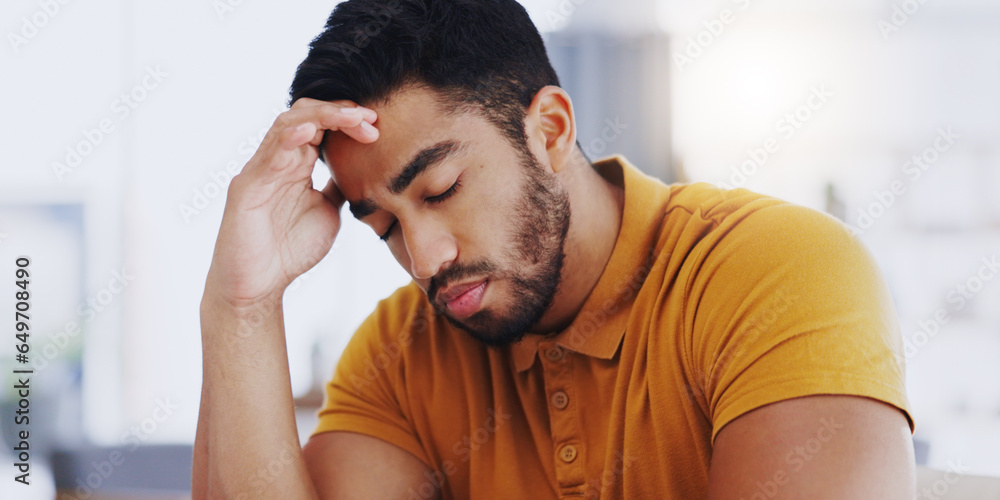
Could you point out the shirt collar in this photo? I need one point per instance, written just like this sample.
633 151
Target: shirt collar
598 329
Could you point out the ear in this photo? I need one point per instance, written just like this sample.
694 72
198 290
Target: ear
550 123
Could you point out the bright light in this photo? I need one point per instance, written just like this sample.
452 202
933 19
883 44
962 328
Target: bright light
758 88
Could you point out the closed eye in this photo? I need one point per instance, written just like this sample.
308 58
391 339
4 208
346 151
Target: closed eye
445 195
388 232
432 200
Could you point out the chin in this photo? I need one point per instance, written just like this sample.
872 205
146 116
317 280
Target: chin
496 330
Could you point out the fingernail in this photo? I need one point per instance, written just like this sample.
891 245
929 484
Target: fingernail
350 111
369 128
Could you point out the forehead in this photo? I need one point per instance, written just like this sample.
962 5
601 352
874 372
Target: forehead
410 120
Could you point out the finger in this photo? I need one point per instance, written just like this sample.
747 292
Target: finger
308 102
287 144
369 114
318 138
304 102
365 132
286 159
292 138
300 127
324 116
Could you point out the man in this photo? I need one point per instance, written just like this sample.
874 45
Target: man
572 329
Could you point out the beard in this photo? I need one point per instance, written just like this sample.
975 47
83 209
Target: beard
534 264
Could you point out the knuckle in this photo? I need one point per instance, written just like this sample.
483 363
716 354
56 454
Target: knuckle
282 121
329 114
284 132
346 103
236 186
303 102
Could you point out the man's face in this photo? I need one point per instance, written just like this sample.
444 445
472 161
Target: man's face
478 223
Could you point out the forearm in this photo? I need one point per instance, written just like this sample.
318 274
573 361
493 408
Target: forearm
247 444
274 228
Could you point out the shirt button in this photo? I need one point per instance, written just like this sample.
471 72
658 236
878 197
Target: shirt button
568 453
554 353
560 400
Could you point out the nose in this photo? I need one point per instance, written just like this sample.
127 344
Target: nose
430 248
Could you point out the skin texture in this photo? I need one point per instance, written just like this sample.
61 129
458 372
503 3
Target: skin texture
276 226
816 447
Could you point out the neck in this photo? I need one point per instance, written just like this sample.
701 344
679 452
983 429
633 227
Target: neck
597 204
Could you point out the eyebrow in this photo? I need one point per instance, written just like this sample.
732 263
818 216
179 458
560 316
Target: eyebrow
427 158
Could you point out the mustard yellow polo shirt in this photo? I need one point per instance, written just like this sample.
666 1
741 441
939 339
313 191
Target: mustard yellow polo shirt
713 303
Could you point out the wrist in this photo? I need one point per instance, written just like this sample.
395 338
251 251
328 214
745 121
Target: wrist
224 317
216 301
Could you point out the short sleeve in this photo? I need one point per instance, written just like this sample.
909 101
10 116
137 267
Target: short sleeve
787 303
365 394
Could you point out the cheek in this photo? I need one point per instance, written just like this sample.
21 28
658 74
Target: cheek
498 219
488 211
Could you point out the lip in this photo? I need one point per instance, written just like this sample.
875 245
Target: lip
452 292
464 299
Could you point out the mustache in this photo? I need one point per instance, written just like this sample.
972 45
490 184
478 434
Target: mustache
458 272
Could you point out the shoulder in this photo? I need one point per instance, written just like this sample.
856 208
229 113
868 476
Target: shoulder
716 205
757 225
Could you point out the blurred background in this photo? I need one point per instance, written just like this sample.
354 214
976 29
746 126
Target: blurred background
122 123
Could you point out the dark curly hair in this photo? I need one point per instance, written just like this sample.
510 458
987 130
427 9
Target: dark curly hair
480 55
